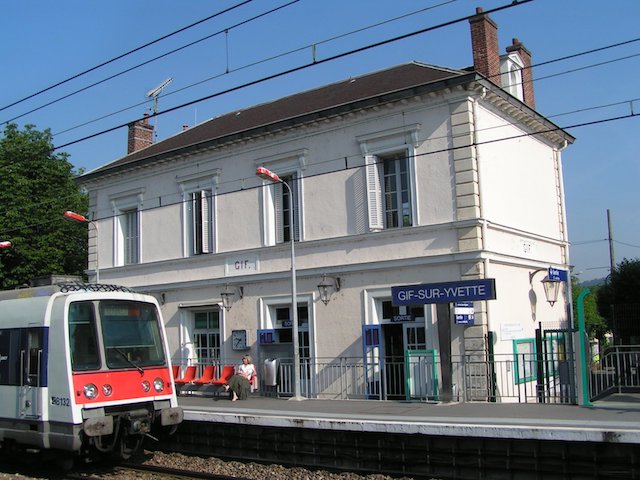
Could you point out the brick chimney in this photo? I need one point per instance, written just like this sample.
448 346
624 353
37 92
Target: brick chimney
140 135
484 42
527 77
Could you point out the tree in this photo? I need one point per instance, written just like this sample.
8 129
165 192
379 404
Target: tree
595 325
619 301
36 187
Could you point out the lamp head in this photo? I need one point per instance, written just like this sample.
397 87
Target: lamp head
551 288
76 217
267 174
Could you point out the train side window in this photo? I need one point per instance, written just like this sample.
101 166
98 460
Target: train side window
83 341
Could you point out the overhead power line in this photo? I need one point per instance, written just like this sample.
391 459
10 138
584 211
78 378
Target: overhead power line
259 62
299 68
165 204
122 72
119 57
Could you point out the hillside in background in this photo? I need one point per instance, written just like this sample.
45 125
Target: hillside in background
594 282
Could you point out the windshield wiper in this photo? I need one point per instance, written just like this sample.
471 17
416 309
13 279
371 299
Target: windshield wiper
130 362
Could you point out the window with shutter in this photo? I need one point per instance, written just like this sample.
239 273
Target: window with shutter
130 235
127 208
389 191
199 216
283 203
374 193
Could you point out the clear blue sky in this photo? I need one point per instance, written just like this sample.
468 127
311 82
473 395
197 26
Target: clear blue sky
46 42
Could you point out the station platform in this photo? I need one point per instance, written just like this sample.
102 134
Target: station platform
614 420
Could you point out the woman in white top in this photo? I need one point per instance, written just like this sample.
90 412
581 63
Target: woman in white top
239 384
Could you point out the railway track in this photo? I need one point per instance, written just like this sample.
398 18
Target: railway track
169 473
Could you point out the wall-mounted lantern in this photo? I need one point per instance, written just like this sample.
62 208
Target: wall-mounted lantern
551 286
229 295
327 286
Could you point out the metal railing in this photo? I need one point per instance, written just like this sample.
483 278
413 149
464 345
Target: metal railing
616 371
502 378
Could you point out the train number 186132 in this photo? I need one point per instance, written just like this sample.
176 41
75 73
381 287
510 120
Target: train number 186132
60 401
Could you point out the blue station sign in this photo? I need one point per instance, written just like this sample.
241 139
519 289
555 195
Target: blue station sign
462 291
558 275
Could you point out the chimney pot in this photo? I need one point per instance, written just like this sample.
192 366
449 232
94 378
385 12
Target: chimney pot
484 43
140 134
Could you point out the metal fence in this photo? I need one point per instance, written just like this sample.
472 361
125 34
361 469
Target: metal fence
503 378
616 371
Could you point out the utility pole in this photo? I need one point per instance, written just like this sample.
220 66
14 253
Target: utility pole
612 260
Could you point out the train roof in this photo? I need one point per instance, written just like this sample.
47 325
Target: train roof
48 290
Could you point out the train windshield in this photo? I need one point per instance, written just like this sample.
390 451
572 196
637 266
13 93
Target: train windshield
131 334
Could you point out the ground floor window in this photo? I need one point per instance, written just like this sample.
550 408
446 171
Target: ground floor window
206 336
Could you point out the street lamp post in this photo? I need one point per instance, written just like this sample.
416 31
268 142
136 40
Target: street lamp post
76 217
267 174
4 244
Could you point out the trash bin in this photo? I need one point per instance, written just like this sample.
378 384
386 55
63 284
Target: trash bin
270 376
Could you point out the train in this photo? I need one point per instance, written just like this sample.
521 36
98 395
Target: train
85 371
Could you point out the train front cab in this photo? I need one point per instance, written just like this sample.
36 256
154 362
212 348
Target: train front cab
51 397
119 371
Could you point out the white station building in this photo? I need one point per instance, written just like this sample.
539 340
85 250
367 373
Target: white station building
428 206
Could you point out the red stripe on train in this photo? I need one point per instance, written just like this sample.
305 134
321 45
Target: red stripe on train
125 384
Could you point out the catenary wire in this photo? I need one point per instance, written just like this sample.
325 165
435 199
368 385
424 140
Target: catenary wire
122 72
598 49
255 63
301 67
121 56
444 150
298 68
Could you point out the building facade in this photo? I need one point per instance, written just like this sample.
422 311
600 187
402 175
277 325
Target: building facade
412 175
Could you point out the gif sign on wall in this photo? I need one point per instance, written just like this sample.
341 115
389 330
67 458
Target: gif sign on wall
463 291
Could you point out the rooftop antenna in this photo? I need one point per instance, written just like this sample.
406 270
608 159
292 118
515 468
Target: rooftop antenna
154 93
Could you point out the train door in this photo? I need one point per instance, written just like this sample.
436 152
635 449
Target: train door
32 371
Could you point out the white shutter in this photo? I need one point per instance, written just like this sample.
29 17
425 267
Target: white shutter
277 204
191 224
205 199
374 193
296 210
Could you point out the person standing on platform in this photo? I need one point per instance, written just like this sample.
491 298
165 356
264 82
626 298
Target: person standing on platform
240 383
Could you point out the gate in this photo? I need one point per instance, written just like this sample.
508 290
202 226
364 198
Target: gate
555 366
617 370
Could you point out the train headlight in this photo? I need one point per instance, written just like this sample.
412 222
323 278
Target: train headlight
158 384
146 386
90 391
107 390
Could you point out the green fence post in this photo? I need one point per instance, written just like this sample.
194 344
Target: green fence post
584 364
